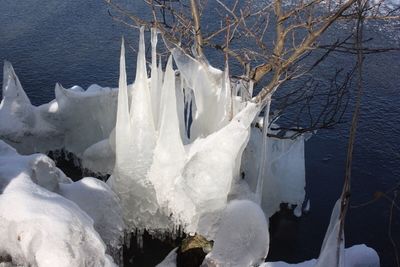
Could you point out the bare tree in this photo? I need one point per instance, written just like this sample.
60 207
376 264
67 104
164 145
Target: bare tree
271 42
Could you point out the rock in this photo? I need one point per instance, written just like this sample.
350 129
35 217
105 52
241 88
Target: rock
192 251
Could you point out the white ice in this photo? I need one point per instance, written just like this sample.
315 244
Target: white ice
284 176
59 124
242 239
38 226
135 138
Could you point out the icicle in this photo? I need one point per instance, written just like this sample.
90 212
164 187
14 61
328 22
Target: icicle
135 142
307 207
297 211
155 85
206 82
180 101
141 69
332 250
263 160
228 96
188 108
169 136
122 127
160 75
160 84
142 120
169 155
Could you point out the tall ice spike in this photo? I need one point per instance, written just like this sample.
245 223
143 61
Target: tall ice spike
123 127
154 84
12 88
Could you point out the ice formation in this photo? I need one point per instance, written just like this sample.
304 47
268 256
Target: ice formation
40 227
355 256
157 175
333 252
284 178
60 123
242 238
135 139
23 125
210 93
102 205
182 149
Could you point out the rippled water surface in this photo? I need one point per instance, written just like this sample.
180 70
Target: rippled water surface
77 43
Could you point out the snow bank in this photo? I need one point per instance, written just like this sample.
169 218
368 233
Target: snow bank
39 227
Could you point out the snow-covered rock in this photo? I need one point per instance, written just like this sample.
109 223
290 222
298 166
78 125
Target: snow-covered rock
40 227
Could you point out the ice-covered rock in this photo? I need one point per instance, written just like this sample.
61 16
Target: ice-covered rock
99 157
57 218
22 124
75 120
242 239
85 118
39 227
102 205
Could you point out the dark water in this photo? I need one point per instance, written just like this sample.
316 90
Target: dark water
77 43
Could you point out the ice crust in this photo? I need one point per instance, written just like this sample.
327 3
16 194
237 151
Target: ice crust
39 226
